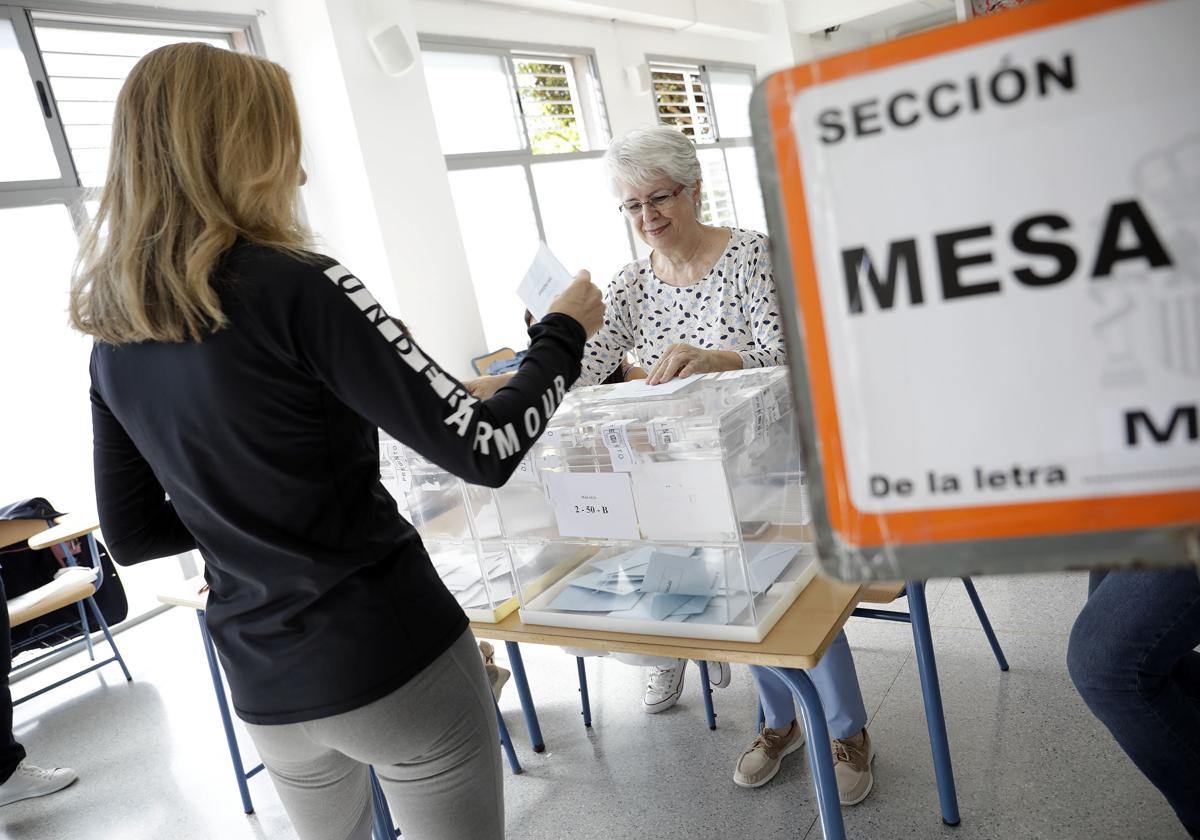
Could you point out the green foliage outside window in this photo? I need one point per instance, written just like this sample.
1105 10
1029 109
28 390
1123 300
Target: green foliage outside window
546 91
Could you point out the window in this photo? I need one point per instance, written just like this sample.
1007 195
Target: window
59 76
86 68
523 129
711 104
681 99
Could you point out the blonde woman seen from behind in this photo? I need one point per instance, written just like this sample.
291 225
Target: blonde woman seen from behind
238 380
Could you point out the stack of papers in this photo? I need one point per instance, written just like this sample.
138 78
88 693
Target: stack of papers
461 573
655 583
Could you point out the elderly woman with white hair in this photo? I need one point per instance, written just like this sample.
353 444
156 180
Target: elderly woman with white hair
704 301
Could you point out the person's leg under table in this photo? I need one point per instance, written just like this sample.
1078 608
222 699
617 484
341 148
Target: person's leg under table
820 758
11 752
836 681
1132 657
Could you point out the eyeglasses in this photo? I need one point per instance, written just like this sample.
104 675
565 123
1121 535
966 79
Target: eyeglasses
634 208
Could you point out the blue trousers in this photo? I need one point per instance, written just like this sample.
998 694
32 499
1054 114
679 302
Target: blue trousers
1132 657
837 683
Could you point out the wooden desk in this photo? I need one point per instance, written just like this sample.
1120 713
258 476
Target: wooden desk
71 527
797 640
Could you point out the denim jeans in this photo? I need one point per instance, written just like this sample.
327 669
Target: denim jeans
836 682
1132 657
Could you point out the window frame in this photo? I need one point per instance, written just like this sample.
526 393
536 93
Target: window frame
13 193
242 30
524 157
719 142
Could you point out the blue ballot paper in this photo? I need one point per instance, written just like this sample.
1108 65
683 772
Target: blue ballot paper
767 562
629 561
679 575
577 599
612 583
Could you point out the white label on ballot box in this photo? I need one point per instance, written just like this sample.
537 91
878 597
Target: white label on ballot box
616 439
596 505
525 473
683 500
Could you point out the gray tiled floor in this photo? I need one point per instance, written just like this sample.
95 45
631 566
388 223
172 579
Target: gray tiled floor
1029 761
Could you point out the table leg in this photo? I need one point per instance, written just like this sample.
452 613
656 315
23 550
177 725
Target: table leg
382 828
506 742
235 754
984 622
706 692
527 708
584 700
820 753
935 717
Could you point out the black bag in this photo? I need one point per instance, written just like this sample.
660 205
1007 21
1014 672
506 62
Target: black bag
23 569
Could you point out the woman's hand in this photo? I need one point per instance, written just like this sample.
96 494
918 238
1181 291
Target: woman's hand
685 360
485 386
583 302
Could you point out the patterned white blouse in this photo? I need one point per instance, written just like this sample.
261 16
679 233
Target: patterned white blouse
733 307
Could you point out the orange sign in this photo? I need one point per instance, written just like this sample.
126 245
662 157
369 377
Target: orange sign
983 224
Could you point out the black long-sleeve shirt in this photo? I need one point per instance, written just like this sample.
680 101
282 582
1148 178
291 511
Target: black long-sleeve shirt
264 436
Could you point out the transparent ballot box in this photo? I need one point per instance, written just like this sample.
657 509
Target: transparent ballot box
676 509
459 526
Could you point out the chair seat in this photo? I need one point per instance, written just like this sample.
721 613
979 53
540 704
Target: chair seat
70 586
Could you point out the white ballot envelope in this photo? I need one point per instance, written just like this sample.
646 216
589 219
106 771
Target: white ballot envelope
545 280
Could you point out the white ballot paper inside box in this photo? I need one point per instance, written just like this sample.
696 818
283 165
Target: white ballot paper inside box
545 280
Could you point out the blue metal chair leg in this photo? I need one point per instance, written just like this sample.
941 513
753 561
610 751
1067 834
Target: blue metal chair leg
935 717
584 700
87 631
820 754
985 623
383 827
506 742
706 692
527 708
108 637
235 754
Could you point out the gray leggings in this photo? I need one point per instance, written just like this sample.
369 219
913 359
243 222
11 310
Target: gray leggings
433 742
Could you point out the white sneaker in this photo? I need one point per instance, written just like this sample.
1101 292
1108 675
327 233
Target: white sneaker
28 781
719 674
664 687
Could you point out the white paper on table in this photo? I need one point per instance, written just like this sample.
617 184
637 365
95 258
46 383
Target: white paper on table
676 575
682 500
545 280
593 505
639 390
